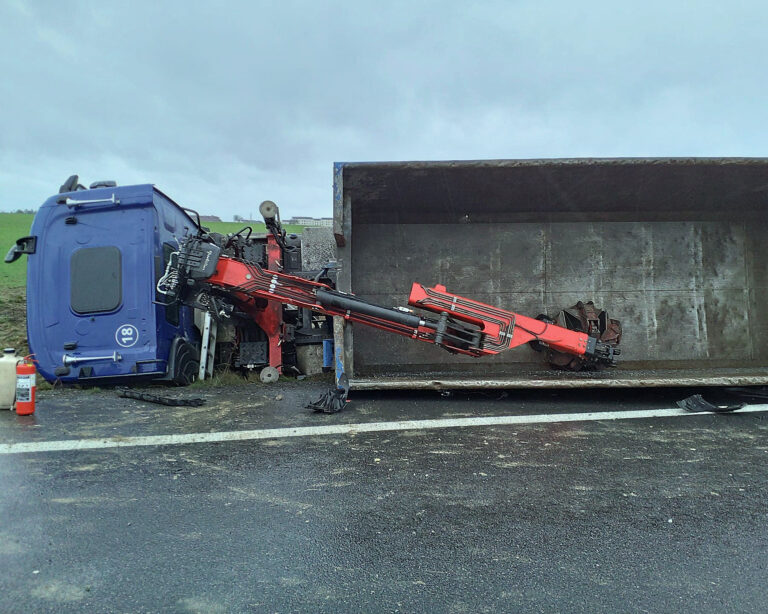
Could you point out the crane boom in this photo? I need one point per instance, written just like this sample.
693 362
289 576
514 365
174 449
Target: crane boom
198 273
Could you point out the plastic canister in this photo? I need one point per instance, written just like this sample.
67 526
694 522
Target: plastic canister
8 361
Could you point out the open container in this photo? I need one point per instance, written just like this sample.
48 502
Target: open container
674 248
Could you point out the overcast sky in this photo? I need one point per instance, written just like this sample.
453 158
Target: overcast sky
225 104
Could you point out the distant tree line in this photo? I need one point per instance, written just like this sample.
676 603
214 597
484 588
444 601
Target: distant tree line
25 211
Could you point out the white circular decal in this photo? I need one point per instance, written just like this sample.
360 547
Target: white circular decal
126 335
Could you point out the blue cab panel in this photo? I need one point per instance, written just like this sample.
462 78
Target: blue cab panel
92 308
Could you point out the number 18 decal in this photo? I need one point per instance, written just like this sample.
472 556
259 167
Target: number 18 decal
126 335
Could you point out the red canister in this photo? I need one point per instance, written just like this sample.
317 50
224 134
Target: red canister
25 387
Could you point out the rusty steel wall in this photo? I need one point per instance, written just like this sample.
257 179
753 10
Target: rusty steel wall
673 248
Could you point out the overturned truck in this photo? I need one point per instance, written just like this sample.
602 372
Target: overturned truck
95 256
670 247
674 248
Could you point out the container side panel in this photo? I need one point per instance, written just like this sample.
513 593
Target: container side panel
673 248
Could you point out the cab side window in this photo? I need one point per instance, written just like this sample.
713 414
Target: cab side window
96 279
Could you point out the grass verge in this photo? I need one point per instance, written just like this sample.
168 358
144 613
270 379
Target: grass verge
13 320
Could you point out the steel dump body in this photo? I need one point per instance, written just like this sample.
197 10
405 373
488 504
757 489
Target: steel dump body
674 248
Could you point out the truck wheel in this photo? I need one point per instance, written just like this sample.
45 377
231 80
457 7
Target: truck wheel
186 365
269 375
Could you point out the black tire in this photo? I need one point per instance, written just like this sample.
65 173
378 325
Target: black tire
185 365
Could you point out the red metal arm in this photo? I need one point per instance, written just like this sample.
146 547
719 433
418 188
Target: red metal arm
488 330
461 325
246 281
501 329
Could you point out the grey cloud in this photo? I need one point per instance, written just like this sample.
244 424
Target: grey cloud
226 104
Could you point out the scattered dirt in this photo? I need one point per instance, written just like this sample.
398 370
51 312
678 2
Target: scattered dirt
13 320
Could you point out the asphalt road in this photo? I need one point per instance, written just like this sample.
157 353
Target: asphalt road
644 515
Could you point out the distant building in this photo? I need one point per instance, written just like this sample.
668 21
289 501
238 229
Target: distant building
310 221
210 218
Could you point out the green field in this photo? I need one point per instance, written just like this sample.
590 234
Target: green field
12 227
15 225
13 279
13 276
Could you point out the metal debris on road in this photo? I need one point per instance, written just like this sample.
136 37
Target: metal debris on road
696 403
161 400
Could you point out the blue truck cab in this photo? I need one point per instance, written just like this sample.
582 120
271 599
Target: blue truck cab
93 313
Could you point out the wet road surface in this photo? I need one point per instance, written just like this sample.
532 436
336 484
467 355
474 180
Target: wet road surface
644 515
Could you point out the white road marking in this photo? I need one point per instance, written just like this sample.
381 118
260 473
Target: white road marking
345 429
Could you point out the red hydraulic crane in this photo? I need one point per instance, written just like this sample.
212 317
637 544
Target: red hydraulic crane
199 274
